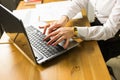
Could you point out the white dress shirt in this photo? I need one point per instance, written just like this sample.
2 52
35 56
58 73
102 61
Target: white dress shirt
107 12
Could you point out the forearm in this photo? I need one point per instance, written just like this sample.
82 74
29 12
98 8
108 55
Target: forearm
97 32
107 31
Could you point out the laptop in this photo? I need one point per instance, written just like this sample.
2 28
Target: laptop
30 39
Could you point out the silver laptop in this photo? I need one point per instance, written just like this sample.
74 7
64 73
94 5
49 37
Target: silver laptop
30 39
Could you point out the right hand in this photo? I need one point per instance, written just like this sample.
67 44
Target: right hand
55 25
57 36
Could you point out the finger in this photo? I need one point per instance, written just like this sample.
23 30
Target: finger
53 27
41 27
66 44
45 28
54 39
50 35
58 41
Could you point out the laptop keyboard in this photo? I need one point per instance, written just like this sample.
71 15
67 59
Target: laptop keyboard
36 39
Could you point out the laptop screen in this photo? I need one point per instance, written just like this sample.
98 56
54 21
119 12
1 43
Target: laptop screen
15 30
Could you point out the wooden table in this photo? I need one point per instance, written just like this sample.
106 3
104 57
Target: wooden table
84 62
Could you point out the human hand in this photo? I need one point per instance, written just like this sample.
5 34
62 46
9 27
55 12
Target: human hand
63 33
55 25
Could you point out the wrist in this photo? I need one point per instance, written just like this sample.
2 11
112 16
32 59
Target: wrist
64 19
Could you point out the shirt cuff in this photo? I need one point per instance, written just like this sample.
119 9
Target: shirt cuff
82 32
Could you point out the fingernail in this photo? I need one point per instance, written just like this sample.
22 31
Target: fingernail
53 45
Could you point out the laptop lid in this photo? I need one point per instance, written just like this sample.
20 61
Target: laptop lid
15 30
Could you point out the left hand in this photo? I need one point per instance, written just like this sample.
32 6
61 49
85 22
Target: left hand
57 36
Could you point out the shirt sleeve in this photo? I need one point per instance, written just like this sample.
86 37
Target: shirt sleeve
75 7
107 31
